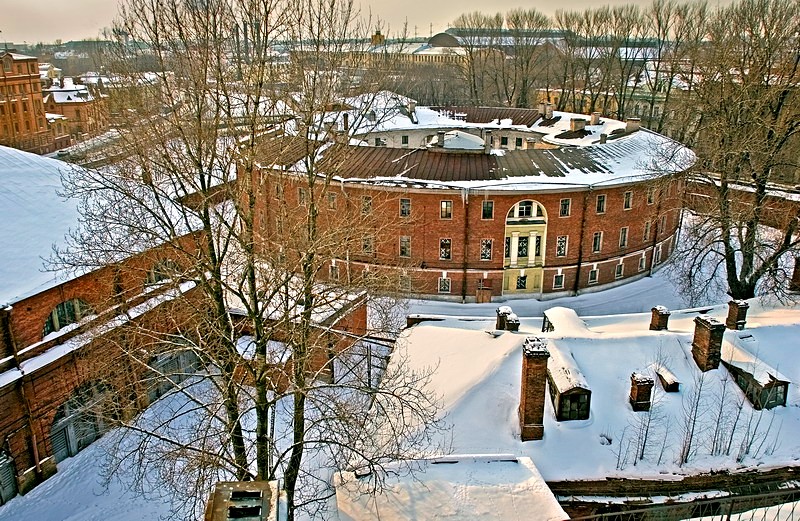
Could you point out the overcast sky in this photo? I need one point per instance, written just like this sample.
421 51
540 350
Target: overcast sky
47 20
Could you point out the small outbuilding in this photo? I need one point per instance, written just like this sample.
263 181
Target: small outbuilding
569 389
761 383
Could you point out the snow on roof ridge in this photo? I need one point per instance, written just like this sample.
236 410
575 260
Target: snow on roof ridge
564 370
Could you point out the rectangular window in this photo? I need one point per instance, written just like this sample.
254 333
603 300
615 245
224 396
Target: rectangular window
658 254
486 249
518 142
504 141
646 234
642 262
444 285
279 192
627 201
522 247
380 142
623 237
508 247
662 226
331 201
558 281
445 249
367 245
564 208
522 282
487 210
597 242
301 196
366 204
405 207
446 210
601 204
404 140
525 209
405 246
561 245
593 276
618 271
650 195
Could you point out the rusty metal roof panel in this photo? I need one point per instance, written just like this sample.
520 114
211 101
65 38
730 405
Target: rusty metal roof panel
517 116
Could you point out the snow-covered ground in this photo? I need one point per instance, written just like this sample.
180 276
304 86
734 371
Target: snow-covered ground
570 449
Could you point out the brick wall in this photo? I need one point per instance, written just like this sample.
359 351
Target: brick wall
466 228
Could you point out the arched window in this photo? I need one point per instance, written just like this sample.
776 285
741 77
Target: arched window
66 313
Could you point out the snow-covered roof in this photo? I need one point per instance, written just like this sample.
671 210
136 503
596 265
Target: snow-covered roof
565 321
478 378
34 218
487 487
739 349
564 371
455 140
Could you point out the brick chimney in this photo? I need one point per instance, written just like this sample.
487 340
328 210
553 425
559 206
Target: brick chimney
632 124
603 138
502 317
737 314
487 142
440 138
548 111
595 118
577 124
794 284
542 108
707 342
659 318
641 392
532 393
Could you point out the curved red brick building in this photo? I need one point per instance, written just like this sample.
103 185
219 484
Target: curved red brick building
495 201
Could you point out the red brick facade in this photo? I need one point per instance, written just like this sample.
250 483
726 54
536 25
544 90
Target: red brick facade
410 244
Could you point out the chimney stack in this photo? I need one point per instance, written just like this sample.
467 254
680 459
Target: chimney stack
707 342
532 394
548 111
737 314
412 106
577 124
542 108
507 320
641 392
603 138
440 139
659 318
487 143
346 121
632 124
595 118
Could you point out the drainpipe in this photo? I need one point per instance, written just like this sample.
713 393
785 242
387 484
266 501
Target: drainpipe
655 230
580 242
465 206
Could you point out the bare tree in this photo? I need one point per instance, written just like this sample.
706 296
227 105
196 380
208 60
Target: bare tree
235 80
745 136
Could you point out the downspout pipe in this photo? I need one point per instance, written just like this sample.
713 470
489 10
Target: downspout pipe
580 242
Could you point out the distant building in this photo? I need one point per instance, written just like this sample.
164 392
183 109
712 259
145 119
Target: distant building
85 110
23 123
